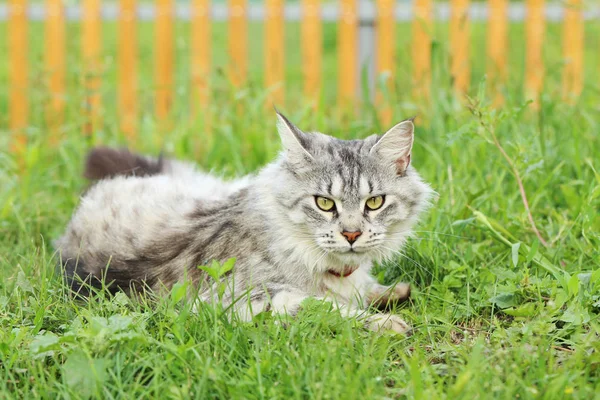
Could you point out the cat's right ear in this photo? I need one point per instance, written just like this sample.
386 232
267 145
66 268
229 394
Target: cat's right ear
395 146
295 142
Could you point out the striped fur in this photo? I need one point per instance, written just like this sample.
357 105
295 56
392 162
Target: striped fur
132 231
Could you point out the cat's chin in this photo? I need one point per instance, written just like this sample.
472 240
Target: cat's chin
352 256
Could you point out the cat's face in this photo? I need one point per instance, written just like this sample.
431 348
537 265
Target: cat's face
355 200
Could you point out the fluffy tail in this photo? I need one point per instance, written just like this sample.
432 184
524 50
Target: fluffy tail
104 162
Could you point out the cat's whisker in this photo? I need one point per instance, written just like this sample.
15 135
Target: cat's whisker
400 253
382 256
404 236
304 235
407 245
443 234
324 253
387 257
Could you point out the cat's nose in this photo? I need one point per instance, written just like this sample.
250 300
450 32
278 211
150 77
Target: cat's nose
351 236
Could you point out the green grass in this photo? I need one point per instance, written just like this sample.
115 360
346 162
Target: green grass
495 313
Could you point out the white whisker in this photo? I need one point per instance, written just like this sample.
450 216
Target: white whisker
398 252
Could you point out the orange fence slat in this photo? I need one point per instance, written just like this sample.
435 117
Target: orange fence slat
347 56
238 41
385 51
459 45
274 50
17 47
421 48
534 38
573 38
201 53
55 63
91 43
496 45
127 90
163 58
312 39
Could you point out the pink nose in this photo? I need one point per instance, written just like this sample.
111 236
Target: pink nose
351 236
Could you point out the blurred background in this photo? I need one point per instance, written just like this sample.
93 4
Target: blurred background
112 70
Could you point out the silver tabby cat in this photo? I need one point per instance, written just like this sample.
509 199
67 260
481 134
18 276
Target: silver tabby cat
309 225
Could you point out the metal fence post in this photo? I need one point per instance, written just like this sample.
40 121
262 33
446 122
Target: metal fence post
366 49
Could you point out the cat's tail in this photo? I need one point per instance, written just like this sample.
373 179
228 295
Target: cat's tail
106 162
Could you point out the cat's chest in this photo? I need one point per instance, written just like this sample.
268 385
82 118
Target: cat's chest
348 289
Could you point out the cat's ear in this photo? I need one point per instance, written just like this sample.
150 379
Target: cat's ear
294 141
395 145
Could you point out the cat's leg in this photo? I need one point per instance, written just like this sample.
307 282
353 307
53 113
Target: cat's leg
363 290
376 322
247 303
385 296
360 290
288 300
277 298
387 322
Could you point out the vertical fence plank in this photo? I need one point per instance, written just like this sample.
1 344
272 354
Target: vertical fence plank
163 58
274 51
91 43
238 41
534 38
573 38
496 46
312 39
385 53
128 68
201 53
347 57
55 64
421 48
17 46
459 45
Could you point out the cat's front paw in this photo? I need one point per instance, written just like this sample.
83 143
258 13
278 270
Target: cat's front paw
387 322
387 296
399 292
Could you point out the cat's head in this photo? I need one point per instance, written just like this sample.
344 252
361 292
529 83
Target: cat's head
353 201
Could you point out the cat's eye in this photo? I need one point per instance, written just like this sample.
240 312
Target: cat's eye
374 203
324 203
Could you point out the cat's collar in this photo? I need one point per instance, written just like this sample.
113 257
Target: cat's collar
348 270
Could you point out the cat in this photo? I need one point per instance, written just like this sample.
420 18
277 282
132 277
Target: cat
309 225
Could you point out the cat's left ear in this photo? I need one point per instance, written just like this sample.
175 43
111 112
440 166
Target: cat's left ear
295 142
395 146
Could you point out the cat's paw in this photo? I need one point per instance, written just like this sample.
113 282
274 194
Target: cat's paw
387 296
387 322
399 292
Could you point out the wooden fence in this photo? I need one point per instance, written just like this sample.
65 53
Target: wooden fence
350 17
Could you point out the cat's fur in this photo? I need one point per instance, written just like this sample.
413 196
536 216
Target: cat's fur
154 222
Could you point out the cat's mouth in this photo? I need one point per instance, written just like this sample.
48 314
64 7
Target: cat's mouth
349 257
355 250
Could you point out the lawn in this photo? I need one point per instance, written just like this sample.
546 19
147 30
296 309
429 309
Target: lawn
496 313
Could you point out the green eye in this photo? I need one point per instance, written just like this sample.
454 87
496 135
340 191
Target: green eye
374 203
324 203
